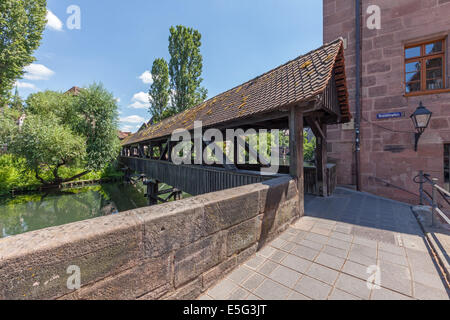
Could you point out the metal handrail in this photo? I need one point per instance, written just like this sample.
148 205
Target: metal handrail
442 190
443 215
432 199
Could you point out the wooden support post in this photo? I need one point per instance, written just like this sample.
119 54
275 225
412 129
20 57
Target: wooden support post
160 148
321 162
169 150
141 153
296 149
235 152
150 150
152 192
164 151
320 131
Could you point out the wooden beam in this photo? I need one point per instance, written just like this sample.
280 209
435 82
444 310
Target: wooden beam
152 192
296 147
163 151
319 128
315 126
169 150
235 152
321 162
150 152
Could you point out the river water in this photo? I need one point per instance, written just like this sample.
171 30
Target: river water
35 211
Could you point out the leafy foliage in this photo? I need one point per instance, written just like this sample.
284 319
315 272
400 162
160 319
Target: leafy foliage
185 68
159 90
51 103
14 174
65 131
94 116
47 145
8 127
309 146
17 102
22 23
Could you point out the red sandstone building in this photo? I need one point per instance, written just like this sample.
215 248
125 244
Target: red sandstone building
402 63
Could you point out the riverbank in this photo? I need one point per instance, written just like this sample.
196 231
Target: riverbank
17 178
65 185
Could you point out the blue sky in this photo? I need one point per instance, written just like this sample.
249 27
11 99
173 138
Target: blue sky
118 41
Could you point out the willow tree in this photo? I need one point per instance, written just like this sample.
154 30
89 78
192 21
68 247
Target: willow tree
185 68
159 90
47 146
22 23
65 130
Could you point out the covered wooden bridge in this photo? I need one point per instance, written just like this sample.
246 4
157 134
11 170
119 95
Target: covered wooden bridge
309 91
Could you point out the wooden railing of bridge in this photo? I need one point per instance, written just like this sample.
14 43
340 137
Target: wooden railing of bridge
196 179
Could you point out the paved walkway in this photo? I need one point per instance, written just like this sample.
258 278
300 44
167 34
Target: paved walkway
332 251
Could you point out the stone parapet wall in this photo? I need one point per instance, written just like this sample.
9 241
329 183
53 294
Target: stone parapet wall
175 250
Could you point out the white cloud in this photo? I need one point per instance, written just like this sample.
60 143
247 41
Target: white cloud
140 101
146 77
25 85
117 100
126 128
53 21
139 105
141 97
37 71
132 119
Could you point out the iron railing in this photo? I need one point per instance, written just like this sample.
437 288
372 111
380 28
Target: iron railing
423 179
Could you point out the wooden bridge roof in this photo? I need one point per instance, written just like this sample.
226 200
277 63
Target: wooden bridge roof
293 82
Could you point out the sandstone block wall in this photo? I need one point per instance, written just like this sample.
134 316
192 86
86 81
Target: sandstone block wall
171 251
387 153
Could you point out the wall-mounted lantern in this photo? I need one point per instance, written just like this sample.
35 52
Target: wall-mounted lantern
421 118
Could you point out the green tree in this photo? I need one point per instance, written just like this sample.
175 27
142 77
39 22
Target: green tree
47 145
50 102
8 127
22 23
185 68
159 90
95 117
309 147
66 130
17 102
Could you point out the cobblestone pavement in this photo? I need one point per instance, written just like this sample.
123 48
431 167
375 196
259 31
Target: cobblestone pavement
332 251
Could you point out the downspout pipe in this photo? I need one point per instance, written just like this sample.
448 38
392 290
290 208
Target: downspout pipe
358 93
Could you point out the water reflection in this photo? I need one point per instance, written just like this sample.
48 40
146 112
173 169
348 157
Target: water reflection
41 210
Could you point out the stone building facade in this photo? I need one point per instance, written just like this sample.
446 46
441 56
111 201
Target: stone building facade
404 62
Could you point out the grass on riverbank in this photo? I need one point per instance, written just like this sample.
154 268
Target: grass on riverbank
14 174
